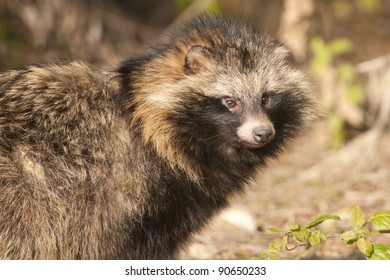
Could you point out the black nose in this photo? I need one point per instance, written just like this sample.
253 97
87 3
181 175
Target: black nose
263 135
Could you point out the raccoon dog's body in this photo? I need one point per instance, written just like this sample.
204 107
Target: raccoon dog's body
128 164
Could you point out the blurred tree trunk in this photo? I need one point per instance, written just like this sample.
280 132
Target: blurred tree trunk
294 26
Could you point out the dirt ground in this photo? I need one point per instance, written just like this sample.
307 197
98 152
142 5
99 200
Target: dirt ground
283 194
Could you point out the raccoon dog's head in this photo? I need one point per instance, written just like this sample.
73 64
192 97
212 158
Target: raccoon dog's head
219 89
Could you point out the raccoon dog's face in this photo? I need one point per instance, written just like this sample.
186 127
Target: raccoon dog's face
238 105
218 89
229 111
237 99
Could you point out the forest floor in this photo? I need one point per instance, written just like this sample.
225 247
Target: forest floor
282 194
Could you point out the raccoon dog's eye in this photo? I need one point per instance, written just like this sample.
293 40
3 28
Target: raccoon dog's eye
232 104
265 99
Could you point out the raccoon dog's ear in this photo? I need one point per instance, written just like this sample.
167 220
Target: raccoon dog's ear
280 50
197 59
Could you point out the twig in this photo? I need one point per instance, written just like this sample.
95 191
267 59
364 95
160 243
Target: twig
373 64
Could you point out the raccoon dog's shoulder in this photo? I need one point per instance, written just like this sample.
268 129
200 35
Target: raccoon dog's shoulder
217 91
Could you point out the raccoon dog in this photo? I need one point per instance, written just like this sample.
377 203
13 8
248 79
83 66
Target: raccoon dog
128 164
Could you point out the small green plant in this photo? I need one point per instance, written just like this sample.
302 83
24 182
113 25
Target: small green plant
296 235
380 221
325 57
324 54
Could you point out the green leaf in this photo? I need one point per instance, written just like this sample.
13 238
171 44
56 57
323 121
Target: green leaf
380 252
337 125
263 256
381 220
275 229
365 246
293 227
349 236
302 235
340 46
347 72
317 44
272 257
323 218
316 237
285 241
322 56
357 217
275 247
355 94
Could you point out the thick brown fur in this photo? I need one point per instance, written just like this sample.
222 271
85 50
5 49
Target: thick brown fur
129 164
